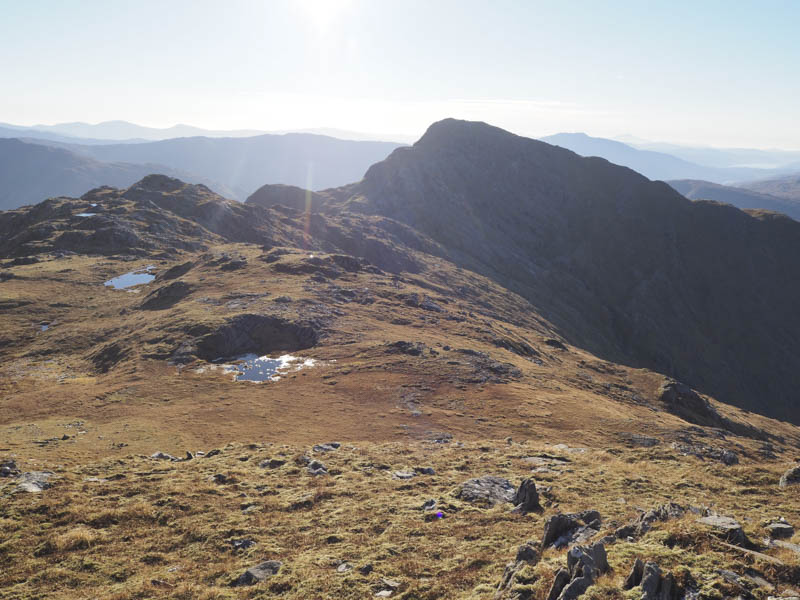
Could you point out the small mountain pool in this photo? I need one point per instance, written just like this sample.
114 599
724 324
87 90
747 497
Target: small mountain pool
86 215
132 278
251 367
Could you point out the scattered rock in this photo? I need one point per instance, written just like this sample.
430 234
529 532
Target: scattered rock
429 504
410 348
728 528
329 447
779 529
272 463
655 585
8 468
488 490
213 452
526 498
565 448
365 569
634 578
317 468
527 554
639 440
772 543
791 477
424 470
566 530
553 343
34 481
439 437
560 581
701 451
344 567
258 573
242 544
584 565
645 521
403 474
163 456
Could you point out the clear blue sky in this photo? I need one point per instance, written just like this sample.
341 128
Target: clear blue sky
714 72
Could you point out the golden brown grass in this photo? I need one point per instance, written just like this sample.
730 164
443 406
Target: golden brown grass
165 528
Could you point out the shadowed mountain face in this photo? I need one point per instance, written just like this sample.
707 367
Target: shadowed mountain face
623 266
738 196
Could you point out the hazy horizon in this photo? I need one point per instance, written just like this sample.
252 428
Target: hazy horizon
704 75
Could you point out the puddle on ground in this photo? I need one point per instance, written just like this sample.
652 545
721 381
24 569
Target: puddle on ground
93 204
86 215
44 327
138 277
260 369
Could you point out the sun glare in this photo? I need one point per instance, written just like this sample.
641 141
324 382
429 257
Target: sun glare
323 14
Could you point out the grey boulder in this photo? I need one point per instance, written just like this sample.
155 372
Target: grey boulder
258 573
791 477
489 490
34 481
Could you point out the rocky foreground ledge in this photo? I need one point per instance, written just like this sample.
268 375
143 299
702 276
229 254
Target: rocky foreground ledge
431 519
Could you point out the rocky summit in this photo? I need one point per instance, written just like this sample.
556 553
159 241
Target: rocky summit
547 377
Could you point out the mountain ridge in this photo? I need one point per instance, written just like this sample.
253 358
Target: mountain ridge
623 267
604 253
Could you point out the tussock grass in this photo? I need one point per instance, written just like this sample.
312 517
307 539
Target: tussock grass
172 536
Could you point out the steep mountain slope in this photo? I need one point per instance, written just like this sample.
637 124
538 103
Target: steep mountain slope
623 266
784 187
31 172
654 165
737 196
245 164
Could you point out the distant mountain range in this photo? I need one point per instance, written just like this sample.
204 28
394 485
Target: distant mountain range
245 164
787 187
660 165
120 131
34 169
722 157
741 197
124 131
31 172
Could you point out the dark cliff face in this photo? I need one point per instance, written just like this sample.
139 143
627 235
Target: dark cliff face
624 266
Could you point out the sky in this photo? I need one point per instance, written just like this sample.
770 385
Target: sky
716 73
